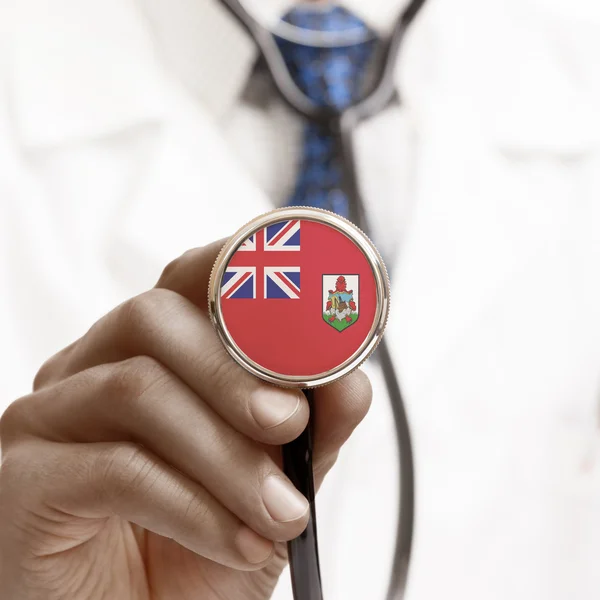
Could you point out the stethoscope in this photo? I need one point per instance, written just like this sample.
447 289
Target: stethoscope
303 552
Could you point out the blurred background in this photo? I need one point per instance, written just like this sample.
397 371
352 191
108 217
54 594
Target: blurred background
133 130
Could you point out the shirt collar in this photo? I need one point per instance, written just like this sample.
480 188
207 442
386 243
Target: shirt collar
378 14
89 69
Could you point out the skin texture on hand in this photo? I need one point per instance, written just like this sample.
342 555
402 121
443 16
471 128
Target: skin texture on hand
146 462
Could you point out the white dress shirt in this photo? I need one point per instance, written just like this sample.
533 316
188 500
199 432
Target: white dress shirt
131 131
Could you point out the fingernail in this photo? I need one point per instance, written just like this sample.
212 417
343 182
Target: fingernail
283 501
271 408
254 549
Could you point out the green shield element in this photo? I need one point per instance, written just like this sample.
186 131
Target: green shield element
340 325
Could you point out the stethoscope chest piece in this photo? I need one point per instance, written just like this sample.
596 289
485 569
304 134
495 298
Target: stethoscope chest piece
299 297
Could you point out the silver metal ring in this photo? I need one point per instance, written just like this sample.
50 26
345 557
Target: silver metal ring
373 258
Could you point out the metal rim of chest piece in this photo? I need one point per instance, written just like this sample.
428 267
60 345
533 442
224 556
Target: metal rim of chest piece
368 249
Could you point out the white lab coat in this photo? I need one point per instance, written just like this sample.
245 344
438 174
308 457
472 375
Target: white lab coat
128 133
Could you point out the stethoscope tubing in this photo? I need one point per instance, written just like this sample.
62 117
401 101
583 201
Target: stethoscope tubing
406 478
382 92
303 552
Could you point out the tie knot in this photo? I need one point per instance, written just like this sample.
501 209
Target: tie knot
329 75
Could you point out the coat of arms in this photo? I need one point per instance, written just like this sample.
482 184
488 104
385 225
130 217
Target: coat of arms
340 300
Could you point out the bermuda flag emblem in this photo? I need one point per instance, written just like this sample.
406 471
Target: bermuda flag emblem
340 297
289 290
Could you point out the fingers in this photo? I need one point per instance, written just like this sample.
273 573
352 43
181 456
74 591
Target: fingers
154 372
188 275
339 409
62 490
140 401
173 331
168 327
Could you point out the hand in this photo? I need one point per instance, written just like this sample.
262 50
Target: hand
146 463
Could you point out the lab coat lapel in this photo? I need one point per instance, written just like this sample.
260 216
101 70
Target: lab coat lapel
460 256
205 47
103 71
490 198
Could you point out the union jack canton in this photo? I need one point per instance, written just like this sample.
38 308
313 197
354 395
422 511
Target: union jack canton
279 282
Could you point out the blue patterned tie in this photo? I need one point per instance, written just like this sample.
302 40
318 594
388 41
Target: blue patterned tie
330 77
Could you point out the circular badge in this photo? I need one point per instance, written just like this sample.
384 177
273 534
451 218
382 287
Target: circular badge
299 296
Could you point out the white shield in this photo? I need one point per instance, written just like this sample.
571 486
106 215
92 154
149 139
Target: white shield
340 300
